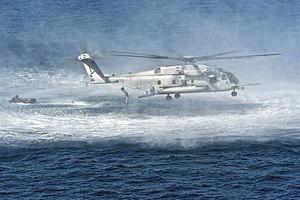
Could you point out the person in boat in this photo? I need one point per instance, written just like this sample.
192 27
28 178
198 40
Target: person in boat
126 95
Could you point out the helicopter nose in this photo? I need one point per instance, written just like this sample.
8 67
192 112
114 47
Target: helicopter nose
232 78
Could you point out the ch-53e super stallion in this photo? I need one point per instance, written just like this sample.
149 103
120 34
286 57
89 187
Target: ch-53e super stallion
188 77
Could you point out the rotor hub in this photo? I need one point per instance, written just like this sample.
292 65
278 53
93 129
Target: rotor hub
84 56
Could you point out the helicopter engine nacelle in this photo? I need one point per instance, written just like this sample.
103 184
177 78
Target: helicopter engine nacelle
170 70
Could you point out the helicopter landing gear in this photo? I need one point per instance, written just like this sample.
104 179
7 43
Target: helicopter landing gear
233 93
168 98
177 95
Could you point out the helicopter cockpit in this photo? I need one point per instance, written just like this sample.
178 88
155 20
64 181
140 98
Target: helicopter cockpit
232 78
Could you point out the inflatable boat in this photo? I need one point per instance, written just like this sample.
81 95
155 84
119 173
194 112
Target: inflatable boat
22 100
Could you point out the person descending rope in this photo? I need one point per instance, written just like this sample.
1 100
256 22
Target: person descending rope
126 95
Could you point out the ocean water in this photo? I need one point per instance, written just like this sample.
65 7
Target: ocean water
82 141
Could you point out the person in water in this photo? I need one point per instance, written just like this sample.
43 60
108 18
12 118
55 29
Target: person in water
126 95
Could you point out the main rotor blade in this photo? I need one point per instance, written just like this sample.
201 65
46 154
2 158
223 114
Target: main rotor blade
240 57
215 55
137 55
153 56
190 59
224 53
130 53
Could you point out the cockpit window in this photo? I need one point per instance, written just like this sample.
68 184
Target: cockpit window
232 78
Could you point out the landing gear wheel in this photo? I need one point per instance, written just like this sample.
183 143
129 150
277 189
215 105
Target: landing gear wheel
233 93
177 95
168 98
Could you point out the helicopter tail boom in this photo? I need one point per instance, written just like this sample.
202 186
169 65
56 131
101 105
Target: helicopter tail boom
92 69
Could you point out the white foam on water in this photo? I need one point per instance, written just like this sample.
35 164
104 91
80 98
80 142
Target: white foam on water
71 111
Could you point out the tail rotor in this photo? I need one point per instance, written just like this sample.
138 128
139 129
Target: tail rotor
88 61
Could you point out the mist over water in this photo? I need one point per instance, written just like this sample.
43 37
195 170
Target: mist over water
81 126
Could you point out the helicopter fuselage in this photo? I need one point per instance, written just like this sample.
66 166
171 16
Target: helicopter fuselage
176 79
173 79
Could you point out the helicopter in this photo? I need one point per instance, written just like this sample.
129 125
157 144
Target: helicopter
188 77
